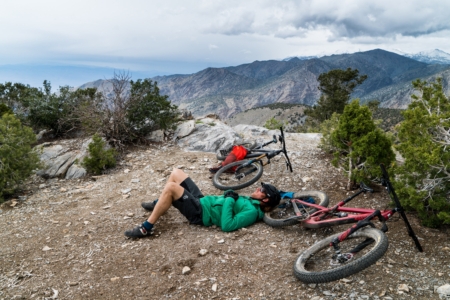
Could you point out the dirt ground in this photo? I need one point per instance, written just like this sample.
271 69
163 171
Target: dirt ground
64 239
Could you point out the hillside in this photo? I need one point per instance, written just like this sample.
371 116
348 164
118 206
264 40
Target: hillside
63 239
228 91
291 113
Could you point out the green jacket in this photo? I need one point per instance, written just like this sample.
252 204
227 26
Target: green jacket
230 214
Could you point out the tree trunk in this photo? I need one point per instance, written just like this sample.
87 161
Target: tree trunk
351 183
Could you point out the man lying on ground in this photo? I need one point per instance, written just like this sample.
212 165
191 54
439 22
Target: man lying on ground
229 211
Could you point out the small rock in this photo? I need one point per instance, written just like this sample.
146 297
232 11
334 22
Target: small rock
403 288
115 279
125 191
345 280
214 287
73 283
444 291
130 215
221 241
306 179
46 248
203 252
126 171
186 270
135 180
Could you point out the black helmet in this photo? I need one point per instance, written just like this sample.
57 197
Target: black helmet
272 193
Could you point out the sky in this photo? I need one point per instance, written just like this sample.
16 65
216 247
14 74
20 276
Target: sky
74 42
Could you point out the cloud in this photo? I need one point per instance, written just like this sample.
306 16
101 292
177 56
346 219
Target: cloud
345 19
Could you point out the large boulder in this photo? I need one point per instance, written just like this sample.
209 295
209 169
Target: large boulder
62 159
208 135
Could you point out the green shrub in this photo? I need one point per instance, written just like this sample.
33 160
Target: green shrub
273 123
99 158
360 145
326 128
423 181
17 158
4 109
129 113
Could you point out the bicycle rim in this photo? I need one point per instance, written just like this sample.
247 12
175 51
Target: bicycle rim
226 179
317 264
277 217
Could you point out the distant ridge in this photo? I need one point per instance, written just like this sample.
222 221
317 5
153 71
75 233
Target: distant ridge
230 90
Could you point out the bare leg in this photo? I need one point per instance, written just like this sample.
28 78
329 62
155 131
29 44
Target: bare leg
177 176
171 192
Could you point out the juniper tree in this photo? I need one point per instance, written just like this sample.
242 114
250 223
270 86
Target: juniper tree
424 142
17 158
359 145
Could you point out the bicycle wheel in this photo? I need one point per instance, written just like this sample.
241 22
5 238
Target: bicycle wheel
277 217
227 179
317 264
223 153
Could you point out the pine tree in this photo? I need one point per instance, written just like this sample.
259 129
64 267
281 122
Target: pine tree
336 87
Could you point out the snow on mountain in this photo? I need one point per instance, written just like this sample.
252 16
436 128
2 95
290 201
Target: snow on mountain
435 56
299 57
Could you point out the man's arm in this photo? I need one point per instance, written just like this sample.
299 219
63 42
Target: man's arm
231 221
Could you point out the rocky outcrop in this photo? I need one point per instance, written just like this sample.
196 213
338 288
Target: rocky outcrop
206 134
62 158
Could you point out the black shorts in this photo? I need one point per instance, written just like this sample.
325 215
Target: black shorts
189 204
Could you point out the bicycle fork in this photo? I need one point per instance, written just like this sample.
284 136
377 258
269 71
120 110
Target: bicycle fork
344 257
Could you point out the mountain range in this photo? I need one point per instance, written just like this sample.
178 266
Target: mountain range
230 90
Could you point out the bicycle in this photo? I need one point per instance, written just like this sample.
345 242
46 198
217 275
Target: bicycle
253 149
346 253
243 173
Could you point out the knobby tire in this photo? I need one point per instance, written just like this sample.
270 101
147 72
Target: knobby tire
313 265
227 181
276 217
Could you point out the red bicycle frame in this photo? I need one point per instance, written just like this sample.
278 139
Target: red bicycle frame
338 214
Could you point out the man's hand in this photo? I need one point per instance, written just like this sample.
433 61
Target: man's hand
231 193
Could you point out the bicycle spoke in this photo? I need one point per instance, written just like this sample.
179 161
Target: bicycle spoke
243 176
327 259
